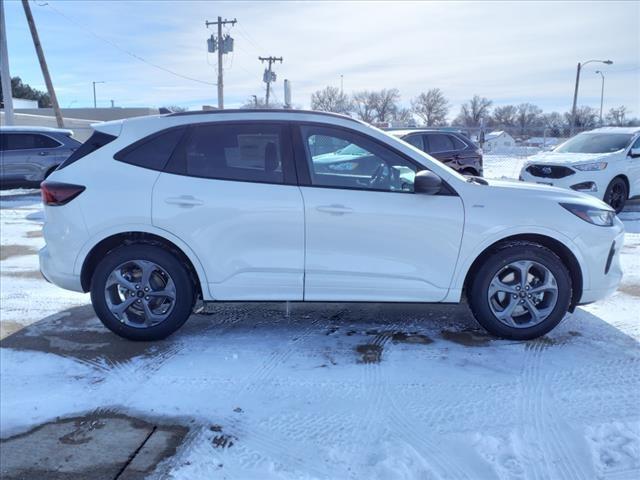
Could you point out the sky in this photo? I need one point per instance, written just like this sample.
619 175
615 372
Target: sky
509 52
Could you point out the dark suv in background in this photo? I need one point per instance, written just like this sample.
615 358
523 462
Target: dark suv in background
28 155
451 148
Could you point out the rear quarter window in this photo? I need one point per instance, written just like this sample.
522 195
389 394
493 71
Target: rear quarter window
93 143
152 152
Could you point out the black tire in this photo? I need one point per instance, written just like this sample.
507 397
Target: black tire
616 194
184 291
469 172
503 256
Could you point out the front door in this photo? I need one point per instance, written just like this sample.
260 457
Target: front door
369 237
229 193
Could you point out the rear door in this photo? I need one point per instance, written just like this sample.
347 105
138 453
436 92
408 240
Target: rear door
27 155
440 146
229 192
369 237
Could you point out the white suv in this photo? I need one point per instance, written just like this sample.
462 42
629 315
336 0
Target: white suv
153 214
604 162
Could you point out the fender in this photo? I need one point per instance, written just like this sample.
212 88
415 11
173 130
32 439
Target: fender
144 228
493 237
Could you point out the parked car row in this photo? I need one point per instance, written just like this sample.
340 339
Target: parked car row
154 213
31 154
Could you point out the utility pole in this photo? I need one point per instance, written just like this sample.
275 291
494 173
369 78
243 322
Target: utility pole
269 76
43 63
222 45
4 65
575 92
95 103
601 94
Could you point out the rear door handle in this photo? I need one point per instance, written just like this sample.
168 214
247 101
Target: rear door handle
43 154
334 209
186 201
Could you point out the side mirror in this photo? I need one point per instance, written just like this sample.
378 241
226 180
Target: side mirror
427 182
634 152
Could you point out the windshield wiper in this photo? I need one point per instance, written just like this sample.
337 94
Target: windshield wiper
478 180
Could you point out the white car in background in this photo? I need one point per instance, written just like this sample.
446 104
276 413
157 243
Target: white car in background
604 162
152 214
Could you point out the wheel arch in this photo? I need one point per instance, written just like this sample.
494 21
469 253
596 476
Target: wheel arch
131 237
556 246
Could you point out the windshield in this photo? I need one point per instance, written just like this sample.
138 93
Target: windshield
595 143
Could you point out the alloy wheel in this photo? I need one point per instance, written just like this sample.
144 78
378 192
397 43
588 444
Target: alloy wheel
140 293
522 294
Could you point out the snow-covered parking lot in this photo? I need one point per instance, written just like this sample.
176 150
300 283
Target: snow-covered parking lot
322 391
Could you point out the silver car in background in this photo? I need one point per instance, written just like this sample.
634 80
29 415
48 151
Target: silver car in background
29 154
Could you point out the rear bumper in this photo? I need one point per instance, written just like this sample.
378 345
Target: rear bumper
64 280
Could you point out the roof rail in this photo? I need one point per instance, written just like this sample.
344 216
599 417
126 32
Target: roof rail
260 110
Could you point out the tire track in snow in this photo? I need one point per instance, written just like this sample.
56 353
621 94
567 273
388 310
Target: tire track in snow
557 459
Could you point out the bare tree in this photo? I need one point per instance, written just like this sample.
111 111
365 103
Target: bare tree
405 117
473 111
586 117
386 104
554 123
505 116
528 116
254 102
432 107
617 116
364 104
330 99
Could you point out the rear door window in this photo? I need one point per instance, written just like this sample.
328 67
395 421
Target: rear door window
415 140
439 142
27 141
251 152
152 152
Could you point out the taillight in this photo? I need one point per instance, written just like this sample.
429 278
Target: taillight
57 193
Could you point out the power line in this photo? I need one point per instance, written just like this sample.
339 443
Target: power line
118 47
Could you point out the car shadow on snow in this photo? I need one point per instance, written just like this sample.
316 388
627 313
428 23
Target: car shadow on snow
365 327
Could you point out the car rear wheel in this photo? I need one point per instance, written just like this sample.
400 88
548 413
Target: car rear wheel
142 292
521 291
616 194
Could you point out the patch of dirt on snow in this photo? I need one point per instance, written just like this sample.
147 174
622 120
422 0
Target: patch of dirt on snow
7 328
370 353
633 290
33 234
221 439
413 338
8 251
34 274
468 338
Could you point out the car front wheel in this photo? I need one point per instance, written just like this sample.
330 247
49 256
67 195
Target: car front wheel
521 291
142 292
616 194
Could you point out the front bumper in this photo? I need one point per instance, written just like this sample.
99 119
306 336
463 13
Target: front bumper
602 257
53 275
577 178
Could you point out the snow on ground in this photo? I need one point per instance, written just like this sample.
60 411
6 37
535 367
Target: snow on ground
21 219
334 390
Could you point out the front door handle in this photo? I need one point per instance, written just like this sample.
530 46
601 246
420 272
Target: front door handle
186 201
334 209
43 154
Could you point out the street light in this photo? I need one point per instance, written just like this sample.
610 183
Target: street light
601 94
95 105
575 93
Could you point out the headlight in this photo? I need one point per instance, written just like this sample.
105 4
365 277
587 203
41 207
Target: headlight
591 167
596 216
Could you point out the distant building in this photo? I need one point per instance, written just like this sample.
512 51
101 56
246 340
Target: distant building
498 141
24 103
